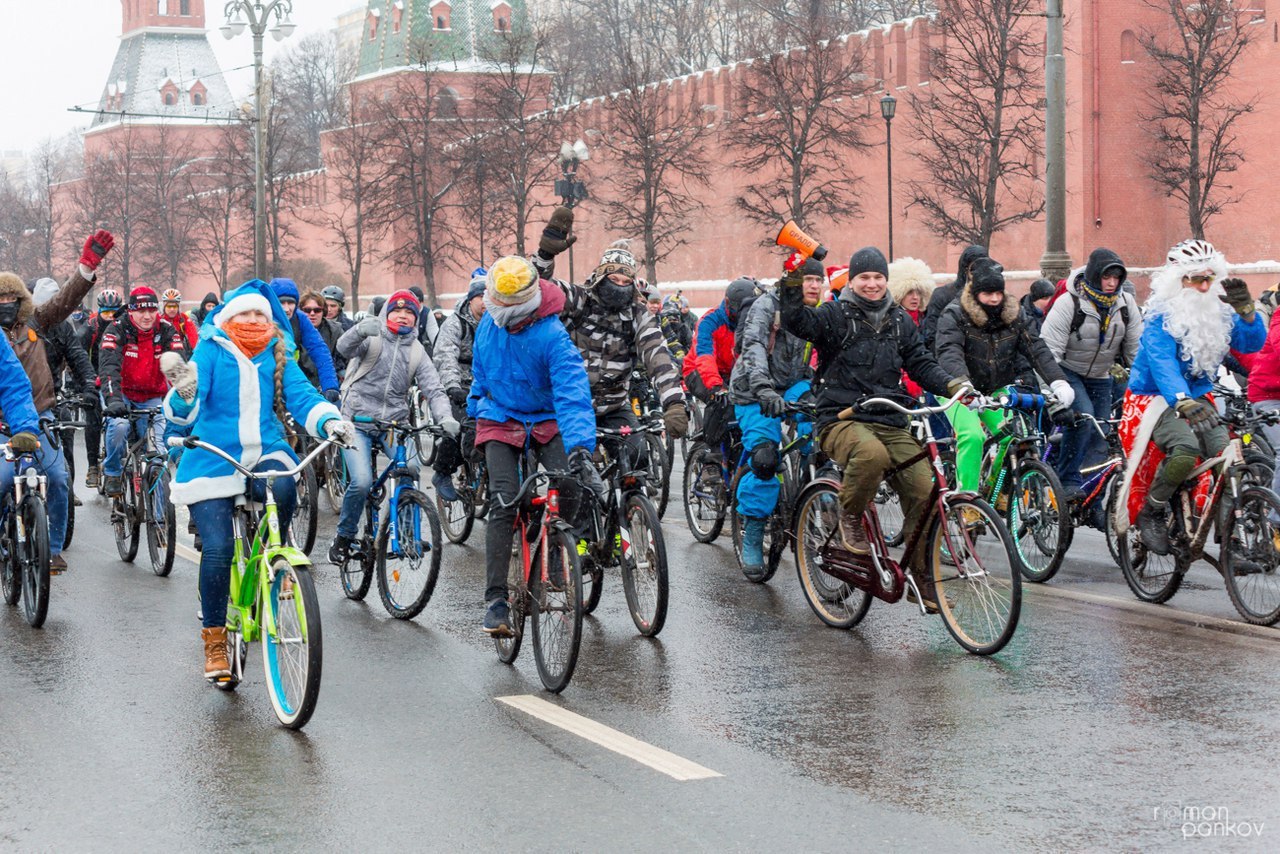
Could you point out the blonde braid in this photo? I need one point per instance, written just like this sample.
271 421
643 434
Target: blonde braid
281 357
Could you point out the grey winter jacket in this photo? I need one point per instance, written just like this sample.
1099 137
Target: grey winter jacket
1082 351
452 353
769 357
383 392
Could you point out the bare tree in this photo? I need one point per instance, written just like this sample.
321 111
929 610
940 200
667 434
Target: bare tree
799 121
310 83
54 162
1192 114
481 199
979 125
222 224
109 196
166 184
18 222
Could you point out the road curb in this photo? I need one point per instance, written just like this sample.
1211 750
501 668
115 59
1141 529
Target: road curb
1164 612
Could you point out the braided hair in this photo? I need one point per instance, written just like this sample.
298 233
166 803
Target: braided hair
281 357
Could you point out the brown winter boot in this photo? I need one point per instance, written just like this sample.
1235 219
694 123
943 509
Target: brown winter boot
216 665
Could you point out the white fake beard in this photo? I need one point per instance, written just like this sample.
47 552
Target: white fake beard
1201 324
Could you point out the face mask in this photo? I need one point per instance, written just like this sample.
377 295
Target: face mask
8 314
614 297
993 311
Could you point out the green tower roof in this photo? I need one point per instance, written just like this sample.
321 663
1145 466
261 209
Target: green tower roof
454 33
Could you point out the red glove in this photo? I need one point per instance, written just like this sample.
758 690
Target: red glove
795 262
96 248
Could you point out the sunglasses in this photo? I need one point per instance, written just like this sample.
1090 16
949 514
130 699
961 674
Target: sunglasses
1201 280
313 310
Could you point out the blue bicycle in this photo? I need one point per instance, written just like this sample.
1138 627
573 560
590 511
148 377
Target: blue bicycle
404 543
24 536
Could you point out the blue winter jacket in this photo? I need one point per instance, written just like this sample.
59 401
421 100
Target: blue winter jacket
311 340
1161 369
533 375
234 409
16 404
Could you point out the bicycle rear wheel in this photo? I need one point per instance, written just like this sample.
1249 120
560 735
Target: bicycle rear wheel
889 512
408 572
557 612
33 554
1251 556
644 565
10 569
836 602
335 477
292 650
71 507
162 526
517 599
659 474
124 520
1038 521
307 513
977 587
703 510
237 652
458 517
775 536
357 570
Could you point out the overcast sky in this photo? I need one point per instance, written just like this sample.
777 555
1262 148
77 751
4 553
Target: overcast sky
58 52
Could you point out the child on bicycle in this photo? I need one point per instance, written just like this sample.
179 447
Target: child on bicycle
385 360
234 394
529 389
984 337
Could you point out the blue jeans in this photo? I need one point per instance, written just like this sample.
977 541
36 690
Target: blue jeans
1093 397
119 436
757 496
359 462
213 521
53 465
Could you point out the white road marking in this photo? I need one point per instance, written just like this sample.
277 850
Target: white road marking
673 766
187 552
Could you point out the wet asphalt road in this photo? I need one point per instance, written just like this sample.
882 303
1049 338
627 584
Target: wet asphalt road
1097 728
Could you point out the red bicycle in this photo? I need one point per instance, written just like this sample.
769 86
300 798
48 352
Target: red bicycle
968 554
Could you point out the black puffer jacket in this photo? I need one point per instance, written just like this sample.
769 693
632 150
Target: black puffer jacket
946 294
65 352
858 359
992 352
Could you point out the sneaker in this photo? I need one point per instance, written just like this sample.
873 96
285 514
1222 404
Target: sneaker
853 534
340 551
497 619
753 547
444 487
216 665
75 499
93 477
1153 528
57 564
710 479
115 485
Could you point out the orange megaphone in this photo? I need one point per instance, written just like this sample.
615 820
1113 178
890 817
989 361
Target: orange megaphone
793 238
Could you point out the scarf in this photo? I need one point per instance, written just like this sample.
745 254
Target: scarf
506 316
1103 302
874 310
251 338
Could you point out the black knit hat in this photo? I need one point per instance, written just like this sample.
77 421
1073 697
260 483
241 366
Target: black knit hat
1041 289
986 277
868 260
813 267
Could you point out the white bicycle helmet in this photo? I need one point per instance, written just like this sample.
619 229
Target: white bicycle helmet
1195 254
171 295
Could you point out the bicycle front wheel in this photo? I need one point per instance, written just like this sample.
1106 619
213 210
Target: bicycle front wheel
408 569
458 517
976 585
357 570
162 525
1152 578
124 520
836 602
1038 521
555 593
10 568
704 504
659 474
518 600
292 652
335 477
1251 556
644 565
774 540
71 507
33 555
307 513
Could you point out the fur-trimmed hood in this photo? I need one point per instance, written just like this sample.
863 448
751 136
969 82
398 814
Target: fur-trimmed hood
12 286
978 315
907 275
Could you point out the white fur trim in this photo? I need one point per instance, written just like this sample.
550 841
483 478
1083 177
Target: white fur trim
317 414
239 305
170 414
204 488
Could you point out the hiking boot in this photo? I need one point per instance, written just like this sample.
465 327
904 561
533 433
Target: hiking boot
216 665
710 480
115 485
853 534
340 551
444 487
497 619
75 500
753 547
1153 528
57 564
93 477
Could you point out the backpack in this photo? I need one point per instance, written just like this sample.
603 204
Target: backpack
1077 314
370 358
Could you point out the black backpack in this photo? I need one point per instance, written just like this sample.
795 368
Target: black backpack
1077 313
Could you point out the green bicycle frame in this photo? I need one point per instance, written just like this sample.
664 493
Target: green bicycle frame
251 576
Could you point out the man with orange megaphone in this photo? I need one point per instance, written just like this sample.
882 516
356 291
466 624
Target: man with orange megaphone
865 340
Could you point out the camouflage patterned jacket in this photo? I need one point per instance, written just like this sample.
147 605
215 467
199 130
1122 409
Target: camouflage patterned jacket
769 356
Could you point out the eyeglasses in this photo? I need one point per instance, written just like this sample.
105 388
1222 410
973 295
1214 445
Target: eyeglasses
1201 280
313 310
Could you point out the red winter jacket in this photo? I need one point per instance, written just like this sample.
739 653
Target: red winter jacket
129 359
1264 373
711 351
190 332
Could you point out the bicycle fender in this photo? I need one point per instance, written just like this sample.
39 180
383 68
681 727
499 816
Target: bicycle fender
294 556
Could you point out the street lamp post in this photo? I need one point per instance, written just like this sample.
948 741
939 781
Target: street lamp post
256 15
568 187
889 106
1056 261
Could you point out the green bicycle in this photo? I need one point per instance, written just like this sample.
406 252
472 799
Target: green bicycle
273 598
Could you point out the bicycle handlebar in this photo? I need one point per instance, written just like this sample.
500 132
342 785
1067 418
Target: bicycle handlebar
192 442
529 483
434 429
910 413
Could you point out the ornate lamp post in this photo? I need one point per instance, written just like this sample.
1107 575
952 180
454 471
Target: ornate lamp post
888 107
1055 264
257 15
568 187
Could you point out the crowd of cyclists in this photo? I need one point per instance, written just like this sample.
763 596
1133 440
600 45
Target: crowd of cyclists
529 370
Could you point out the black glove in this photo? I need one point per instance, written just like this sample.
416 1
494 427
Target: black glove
584 469
1237 296
771 404
1063 416
333 395
1200 416
557 236
457 396
116 408
720 396
89 401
